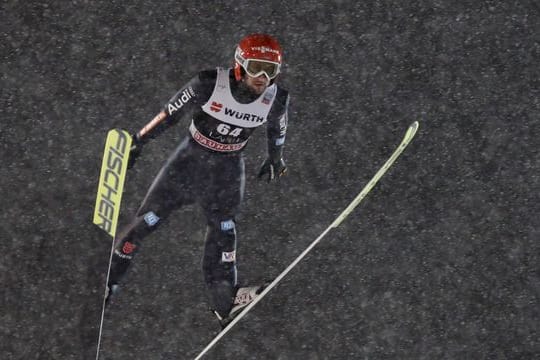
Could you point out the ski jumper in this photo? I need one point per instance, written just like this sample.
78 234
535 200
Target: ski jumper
207 168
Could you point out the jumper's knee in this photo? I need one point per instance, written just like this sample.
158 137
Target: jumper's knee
219 261
131 235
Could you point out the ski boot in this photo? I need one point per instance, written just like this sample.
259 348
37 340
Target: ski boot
243 297
112 289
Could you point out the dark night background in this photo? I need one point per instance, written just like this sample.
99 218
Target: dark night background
440 261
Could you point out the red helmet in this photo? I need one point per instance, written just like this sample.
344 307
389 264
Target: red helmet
258 54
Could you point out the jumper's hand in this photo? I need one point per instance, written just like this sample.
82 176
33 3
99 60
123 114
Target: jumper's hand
135 151
272 170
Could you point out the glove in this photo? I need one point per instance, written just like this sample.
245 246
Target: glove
272 170
135 151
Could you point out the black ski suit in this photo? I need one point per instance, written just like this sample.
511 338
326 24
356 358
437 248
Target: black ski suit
207 167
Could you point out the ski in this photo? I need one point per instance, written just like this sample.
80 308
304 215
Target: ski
409 135
109 195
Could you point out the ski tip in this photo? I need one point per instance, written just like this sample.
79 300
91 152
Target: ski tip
411 131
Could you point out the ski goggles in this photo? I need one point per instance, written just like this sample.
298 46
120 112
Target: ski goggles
256 68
